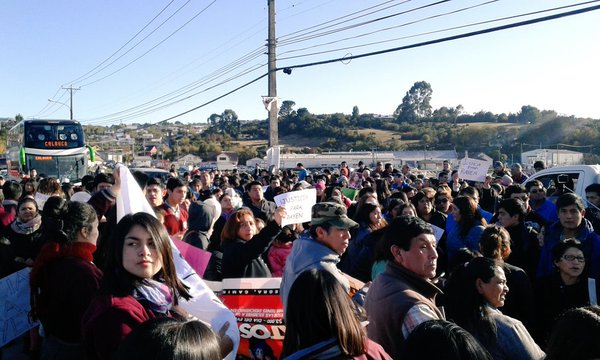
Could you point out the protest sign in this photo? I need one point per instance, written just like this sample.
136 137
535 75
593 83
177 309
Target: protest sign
297 204
196 257
350 193
472 169
259 311
14 307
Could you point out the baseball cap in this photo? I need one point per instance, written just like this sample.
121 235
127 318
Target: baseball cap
331 213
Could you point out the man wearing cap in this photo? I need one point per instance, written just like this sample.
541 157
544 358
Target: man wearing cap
403 296
328 240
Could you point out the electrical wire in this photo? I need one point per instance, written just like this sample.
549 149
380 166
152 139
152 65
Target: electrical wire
395 49
128 41
152 48
382 30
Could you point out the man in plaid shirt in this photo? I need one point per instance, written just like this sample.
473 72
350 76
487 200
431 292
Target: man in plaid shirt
403 296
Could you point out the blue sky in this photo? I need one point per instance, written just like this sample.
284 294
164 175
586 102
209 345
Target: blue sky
49 44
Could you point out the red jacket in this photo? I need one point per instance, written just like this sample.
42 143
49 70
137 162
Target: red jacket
171 223
107 321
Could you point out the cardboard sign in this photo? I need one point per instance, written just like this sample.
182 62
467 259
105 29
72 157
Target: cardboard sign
259 311
472 169
197 258
297 204
14 307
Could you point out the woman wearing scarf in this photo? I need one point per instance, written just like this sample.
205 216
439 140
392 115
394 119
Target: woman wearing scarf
64 281
24 233
139 283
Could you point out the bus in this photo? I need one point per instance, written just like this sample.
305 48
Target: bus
54 148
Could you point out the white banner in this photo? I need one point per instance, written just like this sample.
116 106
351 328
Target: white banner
472 169
298 205
14 307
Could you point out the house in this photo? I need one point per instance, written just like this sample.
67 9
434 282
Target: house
227 161
551 157
150 150
189 159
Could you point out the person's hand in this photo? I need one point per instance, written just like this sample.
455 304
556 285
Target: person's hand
279 215
225 342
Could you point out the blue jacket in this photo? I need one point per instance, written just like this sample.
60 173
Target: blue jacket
590 242
455 241
548 211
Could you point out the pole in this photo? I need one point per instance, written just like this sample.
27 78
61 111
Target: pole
71 88
274 112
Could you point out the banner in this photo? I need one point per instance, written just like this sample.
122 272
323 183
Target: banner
298 205
259 311
196 257
14 307
350 193
472 169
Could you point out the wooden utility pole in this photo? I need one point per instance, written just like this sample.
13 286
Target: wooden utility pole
274 112
71 88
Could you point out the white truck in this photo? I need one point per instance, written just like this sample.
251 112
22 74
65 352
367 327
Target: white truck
571 178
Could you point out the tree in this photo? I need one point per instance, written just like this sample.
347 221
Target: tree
226 123
18 117
529 115
416 103
355 114
287 108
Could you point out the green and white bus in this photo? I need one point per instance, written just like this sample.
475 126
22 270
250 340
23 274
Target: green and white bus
54 148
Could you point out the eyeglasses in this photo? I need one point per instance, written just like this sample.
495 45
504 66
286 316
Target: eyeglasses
571 258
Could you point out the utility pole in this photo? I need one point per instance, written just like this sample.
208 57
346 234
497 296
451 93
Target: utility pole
71 88
274 112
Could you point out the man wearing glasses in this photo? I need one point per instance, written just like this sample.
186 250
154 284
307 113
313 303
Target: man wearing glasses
571 224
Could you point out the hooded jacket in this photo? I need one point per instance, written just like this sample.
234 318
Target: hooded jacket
307 253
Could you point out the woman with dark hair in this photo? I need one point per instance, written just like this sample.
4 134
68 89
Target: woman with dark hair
29 189
423 202
495 243
64 281
575 335
333 330
169 338
474 293
139 283
565 289
25 233
442 340
468 229
244 246
358 259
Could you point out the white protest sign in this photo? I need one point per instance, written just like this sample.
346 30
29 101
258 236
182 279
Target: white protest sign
297 204
472 169
14 307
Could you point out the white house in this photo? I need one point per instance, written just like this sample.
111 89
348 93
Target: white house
227 161
552 157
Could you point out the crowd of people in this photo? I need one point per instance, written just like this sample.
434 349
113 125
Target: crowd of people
393 264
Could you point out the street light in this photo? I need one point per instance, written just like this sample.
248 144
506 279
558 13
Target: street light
63 104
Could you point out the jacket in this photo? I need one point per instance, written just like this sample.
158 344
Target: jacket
107 321
513 342
307 253
392 294
329 349
244 259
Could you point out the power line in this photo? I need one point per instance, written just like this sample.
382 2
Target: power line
152 48
395 49
128 41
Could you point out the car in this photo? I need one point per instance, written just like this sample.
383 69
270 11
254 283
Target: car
153 172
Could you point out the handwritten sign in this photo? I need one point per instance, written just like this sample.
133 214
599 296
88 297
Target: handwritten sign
438 232
472 169
14 306
297 205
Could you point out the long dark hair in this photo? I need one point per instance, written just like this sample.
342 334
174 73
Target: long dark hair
118 281
469 214
465 305
319 293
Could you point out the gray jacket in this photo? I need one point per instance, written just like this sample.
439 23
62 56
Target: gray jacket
307 253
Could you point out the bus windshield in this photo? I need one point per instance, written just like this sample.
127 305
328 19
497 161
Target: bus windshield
53 136
70 167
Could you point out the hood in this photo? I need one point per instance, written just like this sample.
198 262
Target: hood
306 251
200 216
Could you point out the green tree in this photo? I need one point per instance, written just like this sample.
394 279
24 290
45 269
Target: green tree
529 115
416 103
225 123
18 117
287 108
355 114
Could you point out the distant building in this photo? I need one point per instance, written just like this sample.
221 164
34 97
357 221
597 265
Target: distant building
551 157
189 159
227 161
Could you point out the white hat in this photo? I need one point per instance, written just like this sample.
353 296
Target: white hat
81 196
